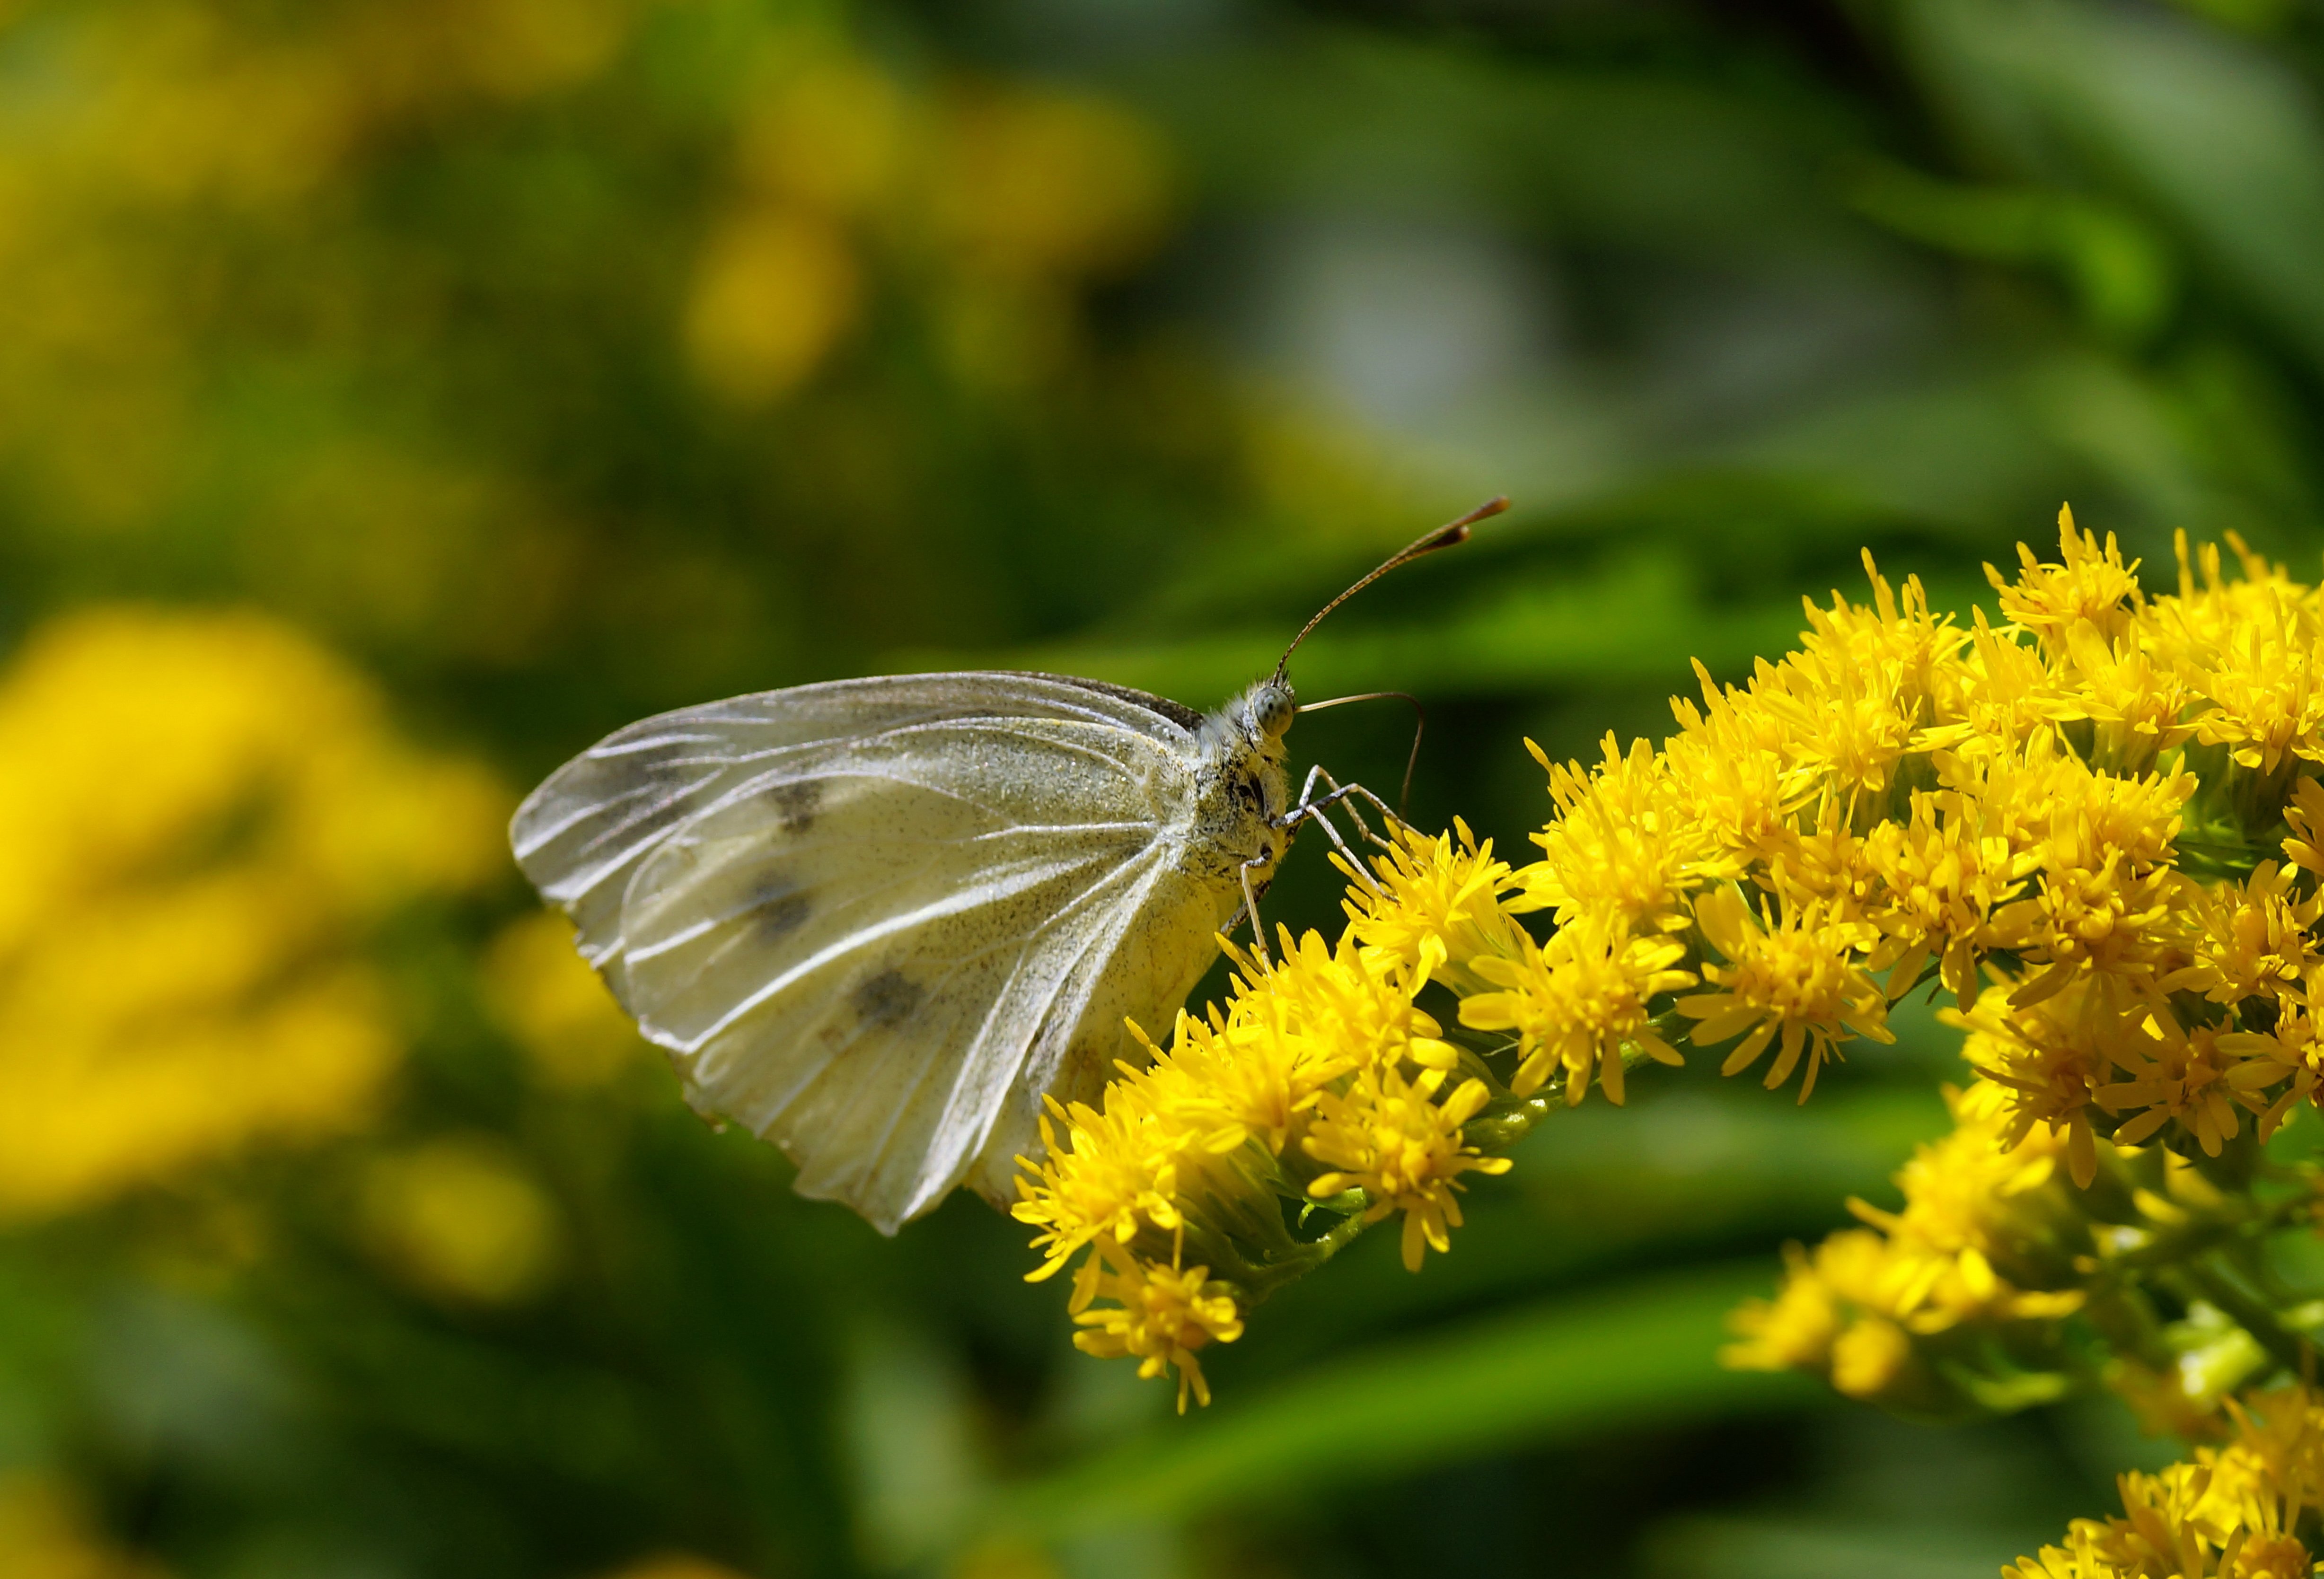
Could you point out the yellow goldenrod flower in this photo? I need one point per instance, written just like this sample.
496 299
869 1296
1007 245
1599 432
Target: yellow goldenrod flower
1580 1002
1340 1005
2252 939
1625 843
1160 1317
1970 1192
1918 648
1851 717
1246 1079
1387 1137
1869 1356
1435 909
2231 1513
2293 1051
1938 879
2090 589
1797 983
1730 755
2256 650
2007 691
2138 699
1983 1242
2175 1075
2046 1056
2305 817
1841 1312
1319 1082
1117 1171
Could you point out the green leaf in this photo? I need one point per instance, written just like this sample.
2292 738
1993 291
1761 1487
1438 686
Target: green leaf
2221 138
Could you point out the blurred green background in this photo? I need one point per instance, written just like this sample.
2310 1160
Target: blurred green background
395 395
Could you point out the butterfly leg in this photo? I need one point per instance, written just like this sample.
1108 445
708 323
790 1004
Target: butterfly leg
1341 794
1250 908
1311 810
1307 806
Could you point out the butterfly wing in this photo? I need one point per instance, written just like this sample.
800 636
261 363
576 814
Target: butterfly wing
582 834
874 922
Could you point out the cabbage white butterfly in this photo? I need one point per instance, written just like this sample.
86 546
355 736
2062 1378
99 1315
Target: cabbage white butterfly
877 920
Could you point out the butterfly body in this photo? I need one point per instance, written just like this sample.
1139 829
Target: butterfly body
879 920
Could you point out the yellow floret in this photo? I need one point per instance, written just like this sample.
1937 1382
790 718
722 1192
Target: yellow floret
1797 983
1387 1137
1160 1316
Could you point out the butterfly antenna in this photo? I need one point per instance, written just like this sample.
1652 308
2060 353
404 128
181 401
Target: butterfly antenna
1419 724
1444 536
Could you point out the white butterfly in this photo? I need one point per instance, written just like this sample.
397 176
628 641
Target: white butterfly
877 921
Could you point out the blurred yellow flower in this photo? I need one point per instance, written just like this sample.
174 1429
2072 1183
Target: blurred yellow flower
774 293
201 814
558 1010
675 1565
1006 1559
2231 1513
1028 184
461 1218
44 1534
833 134
1983 1248
514 49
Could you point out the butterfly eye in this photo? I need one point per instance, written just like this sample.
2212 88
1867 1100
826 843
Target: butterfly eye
1272 710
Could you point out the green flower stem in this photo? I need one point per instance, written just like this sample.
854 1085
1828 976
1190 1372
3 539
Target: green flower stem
2285 1346
2125 1320
1258 1282
1500 1131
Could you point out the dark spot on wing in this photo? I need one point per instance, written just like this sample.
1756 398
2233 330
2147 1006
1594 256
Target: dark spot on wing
887 1000
777 907
795 804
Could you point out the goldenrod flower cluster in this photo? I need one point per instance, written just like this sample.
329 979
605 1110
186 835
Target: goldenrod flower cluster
1980 1262
1320 1085
2002 1283
2235 1511
2095 825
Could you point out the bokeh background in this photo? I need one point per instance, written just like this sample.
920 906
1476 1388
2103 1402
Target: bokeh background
397 394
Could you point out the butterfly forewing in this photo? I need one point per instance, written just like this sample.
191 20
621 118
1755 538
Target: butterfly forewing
582 834
879 946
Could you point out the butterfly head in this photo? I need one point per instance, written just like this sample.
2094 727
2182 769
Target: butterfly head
1253 724
1270 707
